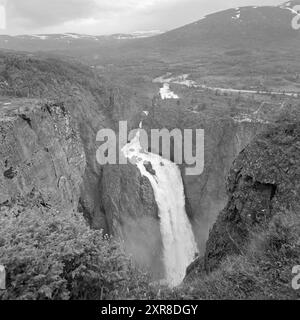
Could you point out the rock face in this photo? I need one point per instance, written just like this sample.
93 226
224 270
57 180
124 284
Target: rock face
264 181
91 102
131 212
206 193
41 154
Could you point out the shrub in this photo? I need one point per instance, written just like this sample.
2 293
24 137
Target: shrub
57 256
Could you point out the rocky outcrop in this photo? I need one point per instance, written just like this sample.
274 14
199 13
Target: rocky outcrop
131 212
206 193
41 154
264 181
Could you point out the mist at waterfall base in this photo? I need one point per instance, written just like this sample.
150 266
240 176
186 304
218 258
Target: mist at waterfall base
179 245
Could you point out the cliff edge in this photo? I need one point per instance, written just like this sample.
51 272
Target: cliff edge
41 154
263 182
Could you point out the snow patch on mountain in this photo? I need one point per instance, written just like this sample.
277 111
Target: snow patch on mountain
237 14
72 37
137 35
42 37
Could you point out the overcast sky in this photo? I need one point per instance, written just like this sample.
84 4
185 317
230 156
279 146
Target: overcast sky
110 16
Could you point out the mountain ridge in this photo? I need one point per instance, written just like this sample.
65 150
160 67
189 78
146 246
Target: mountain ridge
249 26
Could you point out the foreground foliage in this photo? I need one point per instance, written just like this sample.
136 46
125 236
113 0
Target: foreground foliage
57 256
60 257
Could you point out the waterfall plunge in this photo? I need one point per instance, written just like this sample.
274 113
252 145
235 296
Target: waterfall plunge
179 246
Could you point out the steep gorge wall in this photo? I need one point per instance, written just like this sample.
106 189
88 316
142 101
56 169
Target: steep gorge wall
131 211
114 198
263 182
41 155
206 193
92 102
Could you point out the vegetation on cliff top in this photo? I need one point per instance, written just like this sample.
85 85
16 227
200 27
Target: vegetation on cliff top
50 255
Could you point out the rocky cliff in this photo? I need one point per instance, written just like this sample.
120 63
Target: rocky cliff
263 182
131 211
114 198
92 102
44 154
254 244
41 154
206 193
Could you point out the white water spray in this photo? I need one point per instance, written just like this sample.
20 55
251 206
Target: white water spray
179 246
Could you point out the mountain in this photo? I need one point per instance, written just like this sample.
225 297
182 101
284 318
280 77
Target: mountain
259 27
67 41
245 27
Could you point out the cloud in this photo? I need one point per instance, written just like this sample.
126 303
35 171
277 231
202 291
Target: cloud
39 13
109 16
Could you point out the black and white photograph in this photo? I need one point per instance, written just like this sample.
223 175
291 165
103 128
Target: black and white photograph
149 151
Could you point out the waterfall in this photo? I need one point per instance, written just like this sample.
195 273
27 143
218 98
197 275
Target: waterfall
179 246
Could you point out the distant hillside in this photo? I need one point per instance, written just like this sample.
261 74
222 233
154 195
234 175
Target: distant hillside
249 28
67 41
245 26
264 28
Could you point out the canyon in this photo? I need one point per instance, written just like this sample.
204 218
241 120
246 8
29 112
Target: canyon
61 167
53 104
